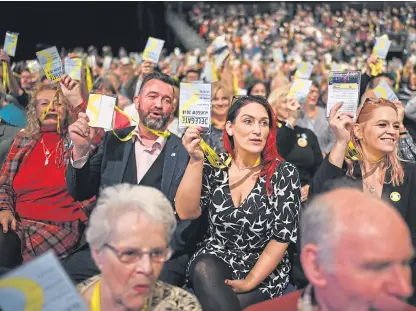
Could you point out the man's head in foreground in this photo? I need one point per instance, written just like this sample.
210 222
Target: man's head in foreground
356 252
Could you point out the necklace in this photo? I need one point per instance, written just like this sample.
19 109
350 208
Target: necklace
370 188
46 151
256 164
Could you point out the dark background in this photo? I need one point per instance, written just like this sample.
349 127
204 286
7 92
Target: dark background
116 23
71 24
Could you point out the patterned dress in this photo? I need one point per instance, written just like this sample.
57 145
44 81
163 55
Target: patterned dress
239 235
165 297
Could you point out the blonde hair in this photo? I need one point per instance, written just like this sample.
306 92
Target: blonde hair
277 94
278 82
391 160
175 112
219 85
33 124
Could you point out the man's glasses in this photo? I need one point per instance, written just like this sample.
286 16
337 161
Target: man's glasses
159 255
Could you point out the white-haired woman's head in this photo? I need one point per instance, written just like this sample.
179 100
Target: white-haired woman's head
129 233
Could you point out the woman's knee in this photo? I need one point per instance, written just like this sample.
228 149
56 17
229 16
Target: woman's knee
10 249
208 266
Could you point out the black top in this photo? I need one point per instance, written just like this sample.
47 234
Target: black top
301 148
403 197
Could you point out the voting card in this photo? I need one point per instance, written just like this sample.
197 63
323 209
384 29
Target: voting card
300 90
304 71
153 50
344 87
382 46
383 90
73 67
100 111
195 105
10 43
41 285
51 62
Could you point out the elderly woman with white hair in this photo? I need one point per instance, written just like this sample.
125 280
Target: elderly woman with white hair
129 232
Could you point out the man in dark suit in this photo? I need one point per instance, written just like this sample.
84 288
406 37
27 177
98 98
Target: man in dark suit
356 253
142 155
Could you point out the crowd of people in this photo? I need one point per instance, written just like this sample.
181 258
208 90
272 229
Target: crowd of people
302 211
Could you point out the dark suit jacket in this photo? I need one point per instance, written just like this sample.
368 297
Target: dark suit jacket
403 197
7 135
108 167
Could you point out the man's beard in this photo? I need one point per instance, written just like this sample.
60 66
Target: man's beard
155 123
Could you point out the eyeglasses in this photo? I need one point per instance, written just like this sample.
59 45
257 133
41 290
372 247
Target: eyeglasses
134 255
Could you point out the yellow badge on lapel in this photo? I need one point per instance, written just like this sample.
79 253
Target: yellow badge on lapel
302 142
395 196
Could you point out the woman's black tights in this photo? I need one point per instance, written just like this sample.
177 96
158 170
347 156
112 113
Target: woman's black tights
207 275
10 249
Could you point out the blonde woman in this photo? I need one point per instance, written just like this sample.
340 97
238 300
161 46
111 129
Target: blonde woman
296 144
372 164
36 211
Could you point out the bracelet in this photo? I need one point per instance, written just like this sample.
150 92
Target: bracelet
403 133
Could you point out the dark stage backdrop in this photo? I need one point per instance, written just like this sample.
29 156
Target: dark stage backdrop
71 24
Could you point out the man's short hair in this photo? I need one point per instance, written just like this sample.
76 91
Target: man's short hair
157 76
372 82
192 71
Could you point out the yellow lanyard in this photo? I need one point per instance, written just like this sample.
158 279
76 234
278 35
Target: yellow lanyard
377 68
95 300
45 112
214 159
235 84
214 71
351 152
88 78
211 155
164 134
96 296
6 81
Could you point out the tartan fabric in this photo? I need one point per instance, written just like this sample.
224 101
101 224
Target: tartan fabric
38 237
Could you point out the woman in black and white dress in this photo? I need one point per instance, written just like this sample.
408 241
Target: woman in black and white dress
252 207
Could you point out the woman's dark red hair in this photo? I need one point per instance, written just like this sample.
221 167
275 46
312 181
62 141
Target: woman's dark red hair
270 158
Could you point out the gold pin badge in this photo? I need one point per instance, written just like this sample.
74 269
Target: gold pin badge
395 196
302 142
